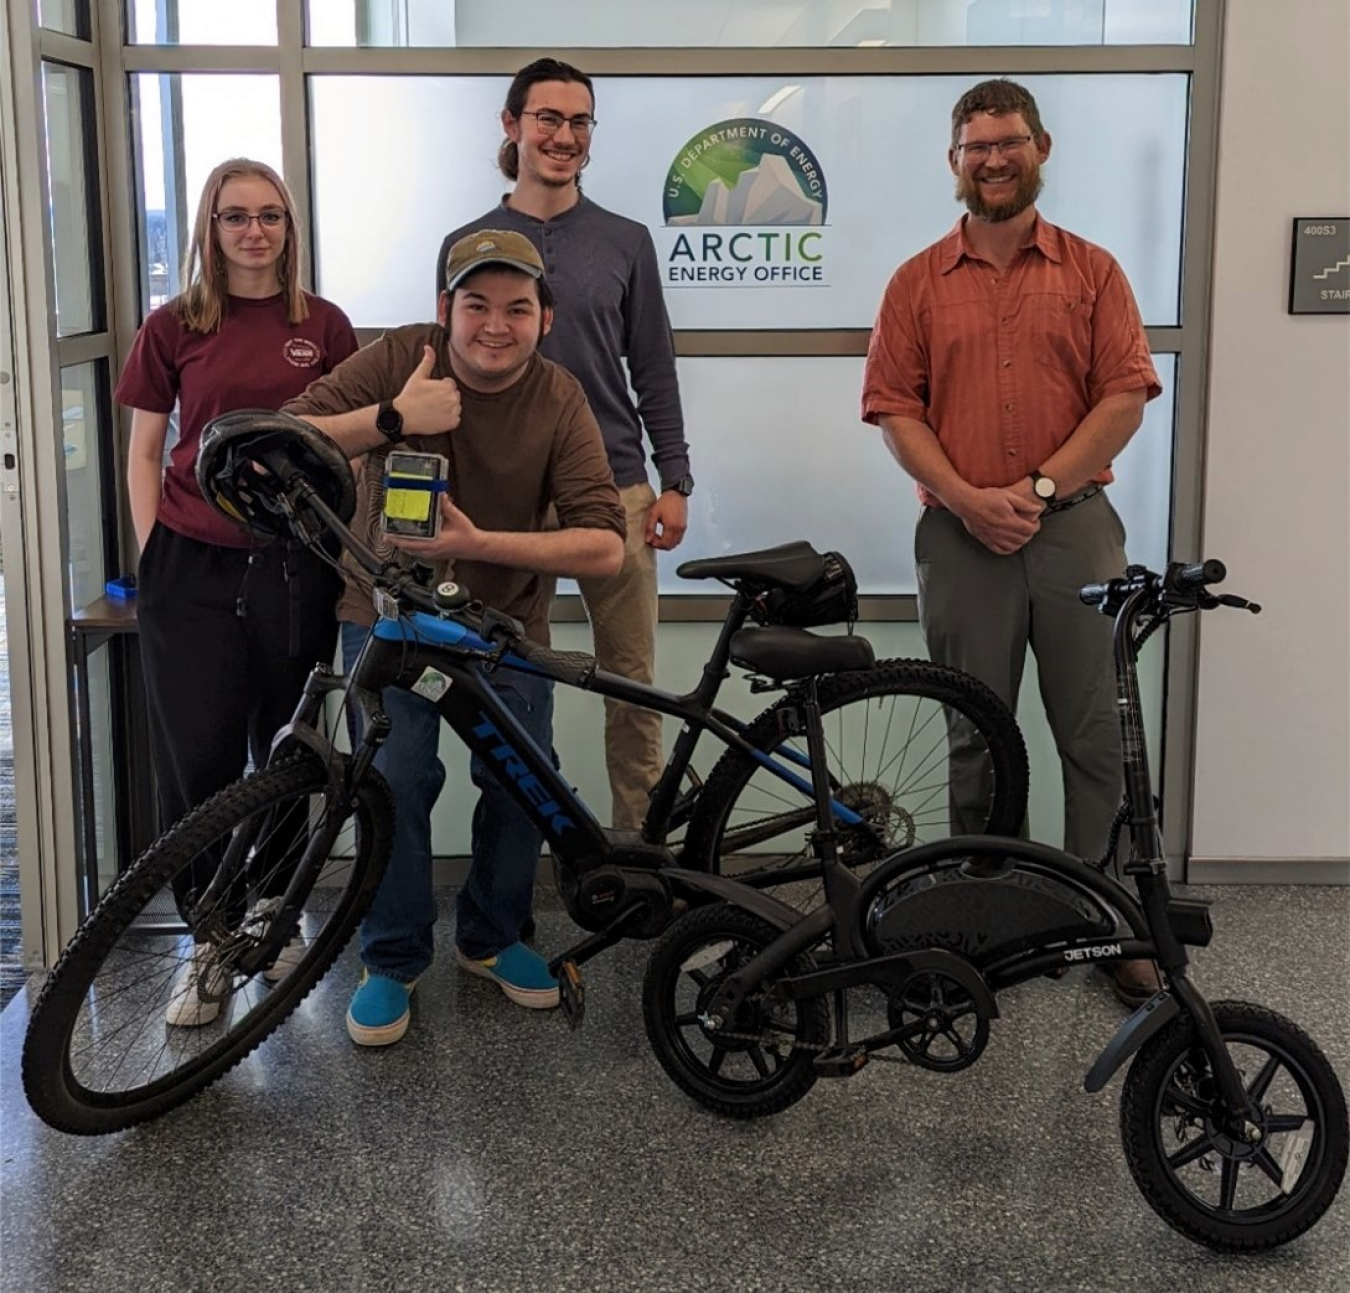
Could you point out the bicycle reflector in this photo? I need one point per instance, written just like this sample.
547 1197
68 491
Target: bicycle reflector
252 459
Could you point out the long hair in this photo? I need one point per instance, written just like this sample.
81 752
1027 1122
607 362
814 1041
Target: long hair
542 69
201 305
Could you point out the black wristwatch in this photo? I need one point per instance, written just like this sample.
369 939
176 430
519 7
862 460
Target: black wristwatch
1043 487
685 485
389 422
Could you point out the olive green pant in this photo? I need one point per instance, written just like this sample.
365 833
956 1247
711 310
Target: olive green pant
980 611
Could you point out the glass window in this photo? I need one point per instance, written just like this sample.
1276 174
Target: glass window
68 16
183 127
67 93
84 401
700 24
202 22
779 453
772 203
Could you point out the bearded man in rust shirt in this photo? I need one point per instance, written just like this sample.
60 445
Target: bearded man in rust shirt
520 440
1008 366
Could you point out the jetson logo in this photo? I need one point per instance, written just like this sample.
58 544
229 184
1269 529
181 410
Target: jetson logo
1092 953
545 805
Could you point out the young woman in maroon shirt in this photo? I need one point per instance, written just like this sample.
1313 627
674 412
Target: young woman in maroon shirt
229 628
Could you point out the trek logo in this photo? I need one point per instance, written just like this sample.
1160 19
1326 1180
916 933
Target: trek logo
1092 953
547 807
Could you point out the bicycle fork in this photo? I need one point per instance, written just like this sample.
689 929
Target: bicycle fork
211 913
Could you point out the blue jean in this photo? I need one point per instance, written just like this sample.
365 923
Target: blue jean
396 935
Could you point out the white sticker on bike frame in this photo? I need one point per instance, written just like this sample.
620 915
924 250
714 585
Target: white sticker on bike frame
432 685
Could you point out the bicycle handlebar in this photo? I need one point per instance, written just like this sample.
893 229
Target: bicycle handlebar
1180 588
452 601
1185 579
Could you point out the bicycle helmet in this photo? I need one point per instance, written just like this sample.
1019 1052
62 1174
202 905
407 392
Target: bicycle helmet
235 445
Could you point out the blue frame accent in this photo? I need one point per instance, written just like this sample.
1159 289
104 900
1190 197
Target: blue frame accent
421 627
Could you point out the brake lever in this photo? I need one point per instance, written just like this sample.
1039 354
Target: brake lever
503 631
1237 603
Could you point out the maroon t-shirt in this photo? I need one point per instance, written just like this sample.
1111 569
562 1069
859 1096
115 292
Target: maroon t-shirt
257 360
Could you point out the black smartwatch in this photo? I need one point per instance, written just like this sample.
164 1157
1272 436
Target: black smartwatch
685 485
389 422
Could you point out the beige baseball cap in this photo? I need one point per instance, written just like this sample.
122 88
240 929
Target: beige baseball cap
491 247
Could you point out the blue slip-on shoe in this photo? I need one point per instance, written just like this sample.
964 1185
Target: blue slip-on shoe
378 1014
520 972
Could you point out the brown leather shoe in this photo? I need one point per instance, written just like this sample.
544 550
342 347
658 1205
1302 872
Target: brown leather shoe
1134 981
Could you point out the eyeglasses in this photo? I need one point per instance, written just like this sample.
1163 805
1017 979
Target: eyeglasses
236 220
551 122
982 152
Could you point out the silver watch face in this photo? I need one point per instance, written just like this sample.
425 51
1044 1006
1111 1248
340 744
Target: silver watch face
1044 487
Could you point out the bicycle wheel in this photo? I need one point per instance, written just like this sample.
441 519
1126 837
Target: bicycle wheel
758 1063
1232 1191
919 751
99 1055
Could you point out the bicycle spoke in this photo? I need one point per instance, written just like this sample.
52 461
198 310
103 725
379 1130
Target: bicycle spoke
1197 1148
1264 1160
1260 1084
1176 1099
1228 1183
1285 1122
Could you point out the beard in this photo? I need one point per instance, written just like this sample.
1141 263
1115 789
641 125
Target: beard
1029 185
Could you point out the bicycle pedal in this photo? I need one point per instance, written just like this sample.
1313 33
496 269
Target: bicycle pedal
840 1061
571 994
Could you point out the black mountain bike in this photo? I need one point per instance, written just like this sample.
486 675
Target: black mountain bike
1234 1123
872 737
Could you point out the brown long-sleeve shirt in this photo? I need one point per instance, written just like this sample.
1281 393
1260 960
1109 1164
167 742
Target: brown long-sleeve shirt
515 454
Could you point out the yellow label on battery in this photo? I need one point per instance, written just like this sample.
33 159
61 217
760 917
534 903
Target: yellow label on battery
408 504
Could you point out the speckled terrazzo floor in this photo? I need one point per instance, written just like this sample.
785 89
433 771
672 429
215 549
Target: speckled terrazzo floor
494 1150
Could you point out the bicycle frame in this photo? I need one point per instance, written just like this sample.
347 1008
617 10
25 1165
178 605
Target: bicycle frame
449 659
1156 927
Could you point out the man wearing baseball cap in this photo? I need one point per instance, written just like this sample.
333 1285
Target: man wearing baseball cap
519 436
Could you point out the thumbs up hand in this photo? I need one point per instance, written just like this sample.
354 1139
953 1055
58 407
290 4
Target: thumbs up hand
429 405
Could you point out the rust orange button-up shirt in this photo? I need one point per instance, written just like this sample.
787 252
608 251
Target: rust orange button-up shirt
1003 366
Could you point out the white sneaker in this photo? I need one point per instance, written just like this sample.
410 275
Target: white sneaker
189 1008
288 958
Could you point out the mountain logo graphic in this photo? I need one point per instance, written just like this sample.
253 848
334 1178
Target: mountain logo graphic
745 171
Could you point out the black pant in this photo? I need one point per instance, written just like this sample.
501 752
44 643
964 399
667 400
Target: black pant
228 638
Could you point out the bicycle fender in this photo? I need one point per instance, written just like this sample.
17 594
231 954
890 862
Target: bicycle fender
761 904
1156 1013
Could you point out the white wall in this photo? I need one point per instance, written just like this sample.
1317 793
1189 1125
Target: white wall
1273 739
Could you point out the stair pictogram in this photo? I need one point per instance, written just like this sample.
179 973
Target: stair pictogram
1339 265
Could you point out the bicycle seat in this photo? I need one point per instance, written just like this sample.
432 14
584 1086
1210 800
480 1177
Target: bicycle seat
785 653
288 450
794 566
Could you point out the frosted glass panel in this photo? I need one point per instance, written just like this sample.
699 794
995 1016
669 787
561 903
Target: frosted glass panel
817 24
67 107
222 116
202 22
833 182
779 454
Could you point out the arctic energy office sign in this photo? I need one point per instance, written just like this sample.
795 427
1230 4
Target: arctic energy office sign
746 200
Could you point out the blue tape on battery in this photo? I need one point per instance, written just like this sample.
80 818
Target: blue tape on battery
416 482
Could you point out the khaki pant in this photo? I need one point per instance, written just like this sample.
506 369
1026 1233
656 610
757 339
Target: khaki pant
622 611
